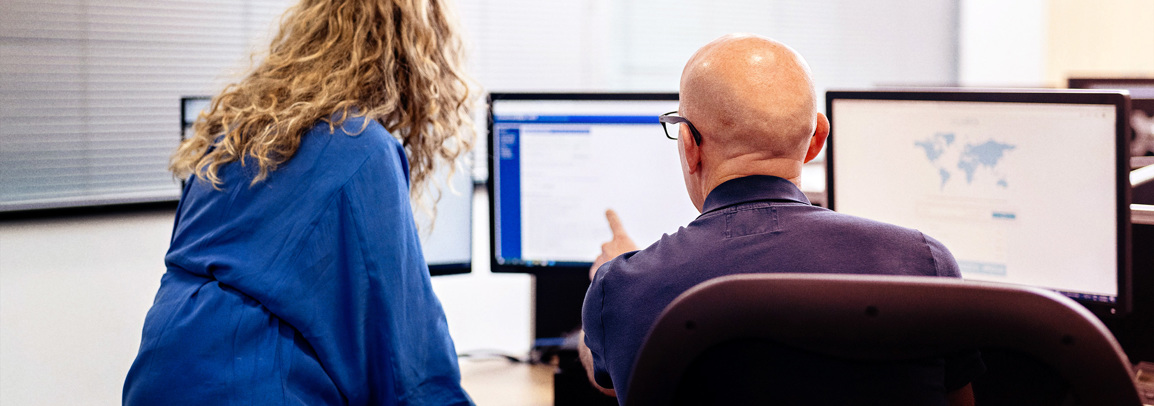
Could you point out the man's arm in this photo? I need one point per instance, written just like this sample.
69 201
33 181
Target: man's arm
587 362
620 244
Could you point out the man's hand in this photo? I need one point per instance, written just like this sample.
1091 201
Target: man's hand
620 244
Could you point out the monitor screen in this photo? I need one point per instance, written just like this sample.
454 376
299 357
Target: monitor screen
190 109
560 161
448 243
1026 188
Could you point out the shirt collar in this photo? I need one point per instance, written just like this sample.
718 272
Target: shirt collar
752 188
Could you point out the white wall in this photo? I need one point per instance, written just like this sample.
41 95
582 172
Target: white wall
74 293
1099 39
1041 43
1002 43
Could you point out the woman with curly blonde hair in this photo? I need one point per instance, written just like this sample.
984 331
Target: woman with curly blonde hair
295 274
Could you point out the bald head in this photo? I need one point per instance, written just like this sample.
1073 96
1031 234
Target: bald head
749 95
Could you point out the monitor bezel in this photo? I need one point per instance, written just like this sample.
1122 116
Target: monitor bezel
455 268
490 182
1119 99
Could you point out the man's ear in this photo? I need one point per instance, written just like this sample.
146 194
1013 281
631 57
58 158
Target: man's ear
817 141
692 150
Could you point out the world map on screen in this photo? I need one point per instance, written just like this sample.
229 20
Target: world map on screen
949 156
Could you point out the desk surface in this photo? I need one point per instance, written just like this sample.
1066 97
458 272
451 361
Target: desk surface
496 381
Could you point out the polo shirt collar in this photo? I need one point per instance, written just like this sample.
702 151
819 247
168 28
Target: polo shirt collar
752 188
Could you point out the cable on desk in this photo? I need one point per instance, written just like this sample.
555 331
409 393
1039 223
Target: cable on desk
494 354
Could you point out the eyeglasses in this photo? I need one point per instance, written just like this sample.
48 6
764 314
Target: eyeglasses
669 122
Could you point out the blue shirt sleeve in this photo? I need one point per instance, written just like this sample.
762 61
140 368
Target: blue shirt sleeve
594 325
944 261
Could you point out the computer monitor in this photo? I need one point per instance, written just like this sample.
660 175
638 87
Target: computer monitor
559 161
1023 187
190 109
448 245
1141 89
447 242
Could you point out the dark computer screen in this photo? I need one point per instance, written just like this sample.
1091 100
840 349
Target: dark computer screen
1027 187
559 161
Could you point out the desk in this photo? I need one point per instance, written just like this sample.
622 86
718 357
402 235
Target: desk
496 381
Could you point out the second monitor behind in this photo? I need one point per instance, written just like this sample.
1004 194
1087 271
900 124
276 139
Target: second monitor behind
1024 187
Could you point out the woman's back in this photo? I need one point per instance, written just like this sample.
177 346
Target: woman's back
308 287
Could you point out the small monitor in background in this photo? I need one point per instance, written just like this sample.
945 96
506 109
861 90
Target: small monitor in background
559 161
190 109
1142 107
448 243
1025 187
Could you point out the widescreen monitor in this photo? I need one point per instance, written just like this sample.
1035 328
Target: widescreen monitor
1023 187
559 161
447 242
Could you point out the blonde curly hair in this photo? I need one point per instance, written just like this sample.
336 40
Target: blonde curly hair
398 62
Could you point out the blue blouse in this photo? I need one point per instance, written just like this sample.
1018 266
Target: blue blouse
307 288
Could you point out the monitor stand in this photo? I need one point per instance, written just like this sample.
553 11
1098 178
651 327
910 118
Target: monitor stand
557 298
1135 331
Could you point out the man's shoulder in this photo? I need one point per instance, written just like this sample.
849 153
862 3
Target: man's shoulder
804 234
863 238
849 225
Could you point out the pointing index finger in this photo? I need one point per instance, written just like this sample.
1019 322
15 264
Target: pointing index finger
615 223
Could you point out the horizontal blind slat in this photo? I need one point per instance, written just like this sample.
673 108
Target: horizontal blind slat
90 91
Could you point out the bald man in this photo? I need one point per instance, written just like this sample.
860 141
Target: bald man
747 122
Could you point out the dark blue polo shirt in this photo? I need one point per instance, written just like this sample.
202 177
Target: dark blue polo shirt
755 224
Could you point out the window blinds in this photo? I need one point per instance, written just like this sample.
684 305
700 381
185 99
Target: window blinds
90 92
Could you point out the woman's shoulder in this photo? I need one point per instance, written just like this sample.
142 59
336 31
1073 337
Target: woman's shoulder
329 156
355 135
349 145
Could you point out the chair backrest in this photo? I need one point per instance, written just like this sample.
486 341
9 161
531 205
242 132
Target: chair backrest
872 317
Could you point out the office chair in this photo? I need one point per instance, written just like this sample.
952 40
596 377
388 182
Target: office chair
873 318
